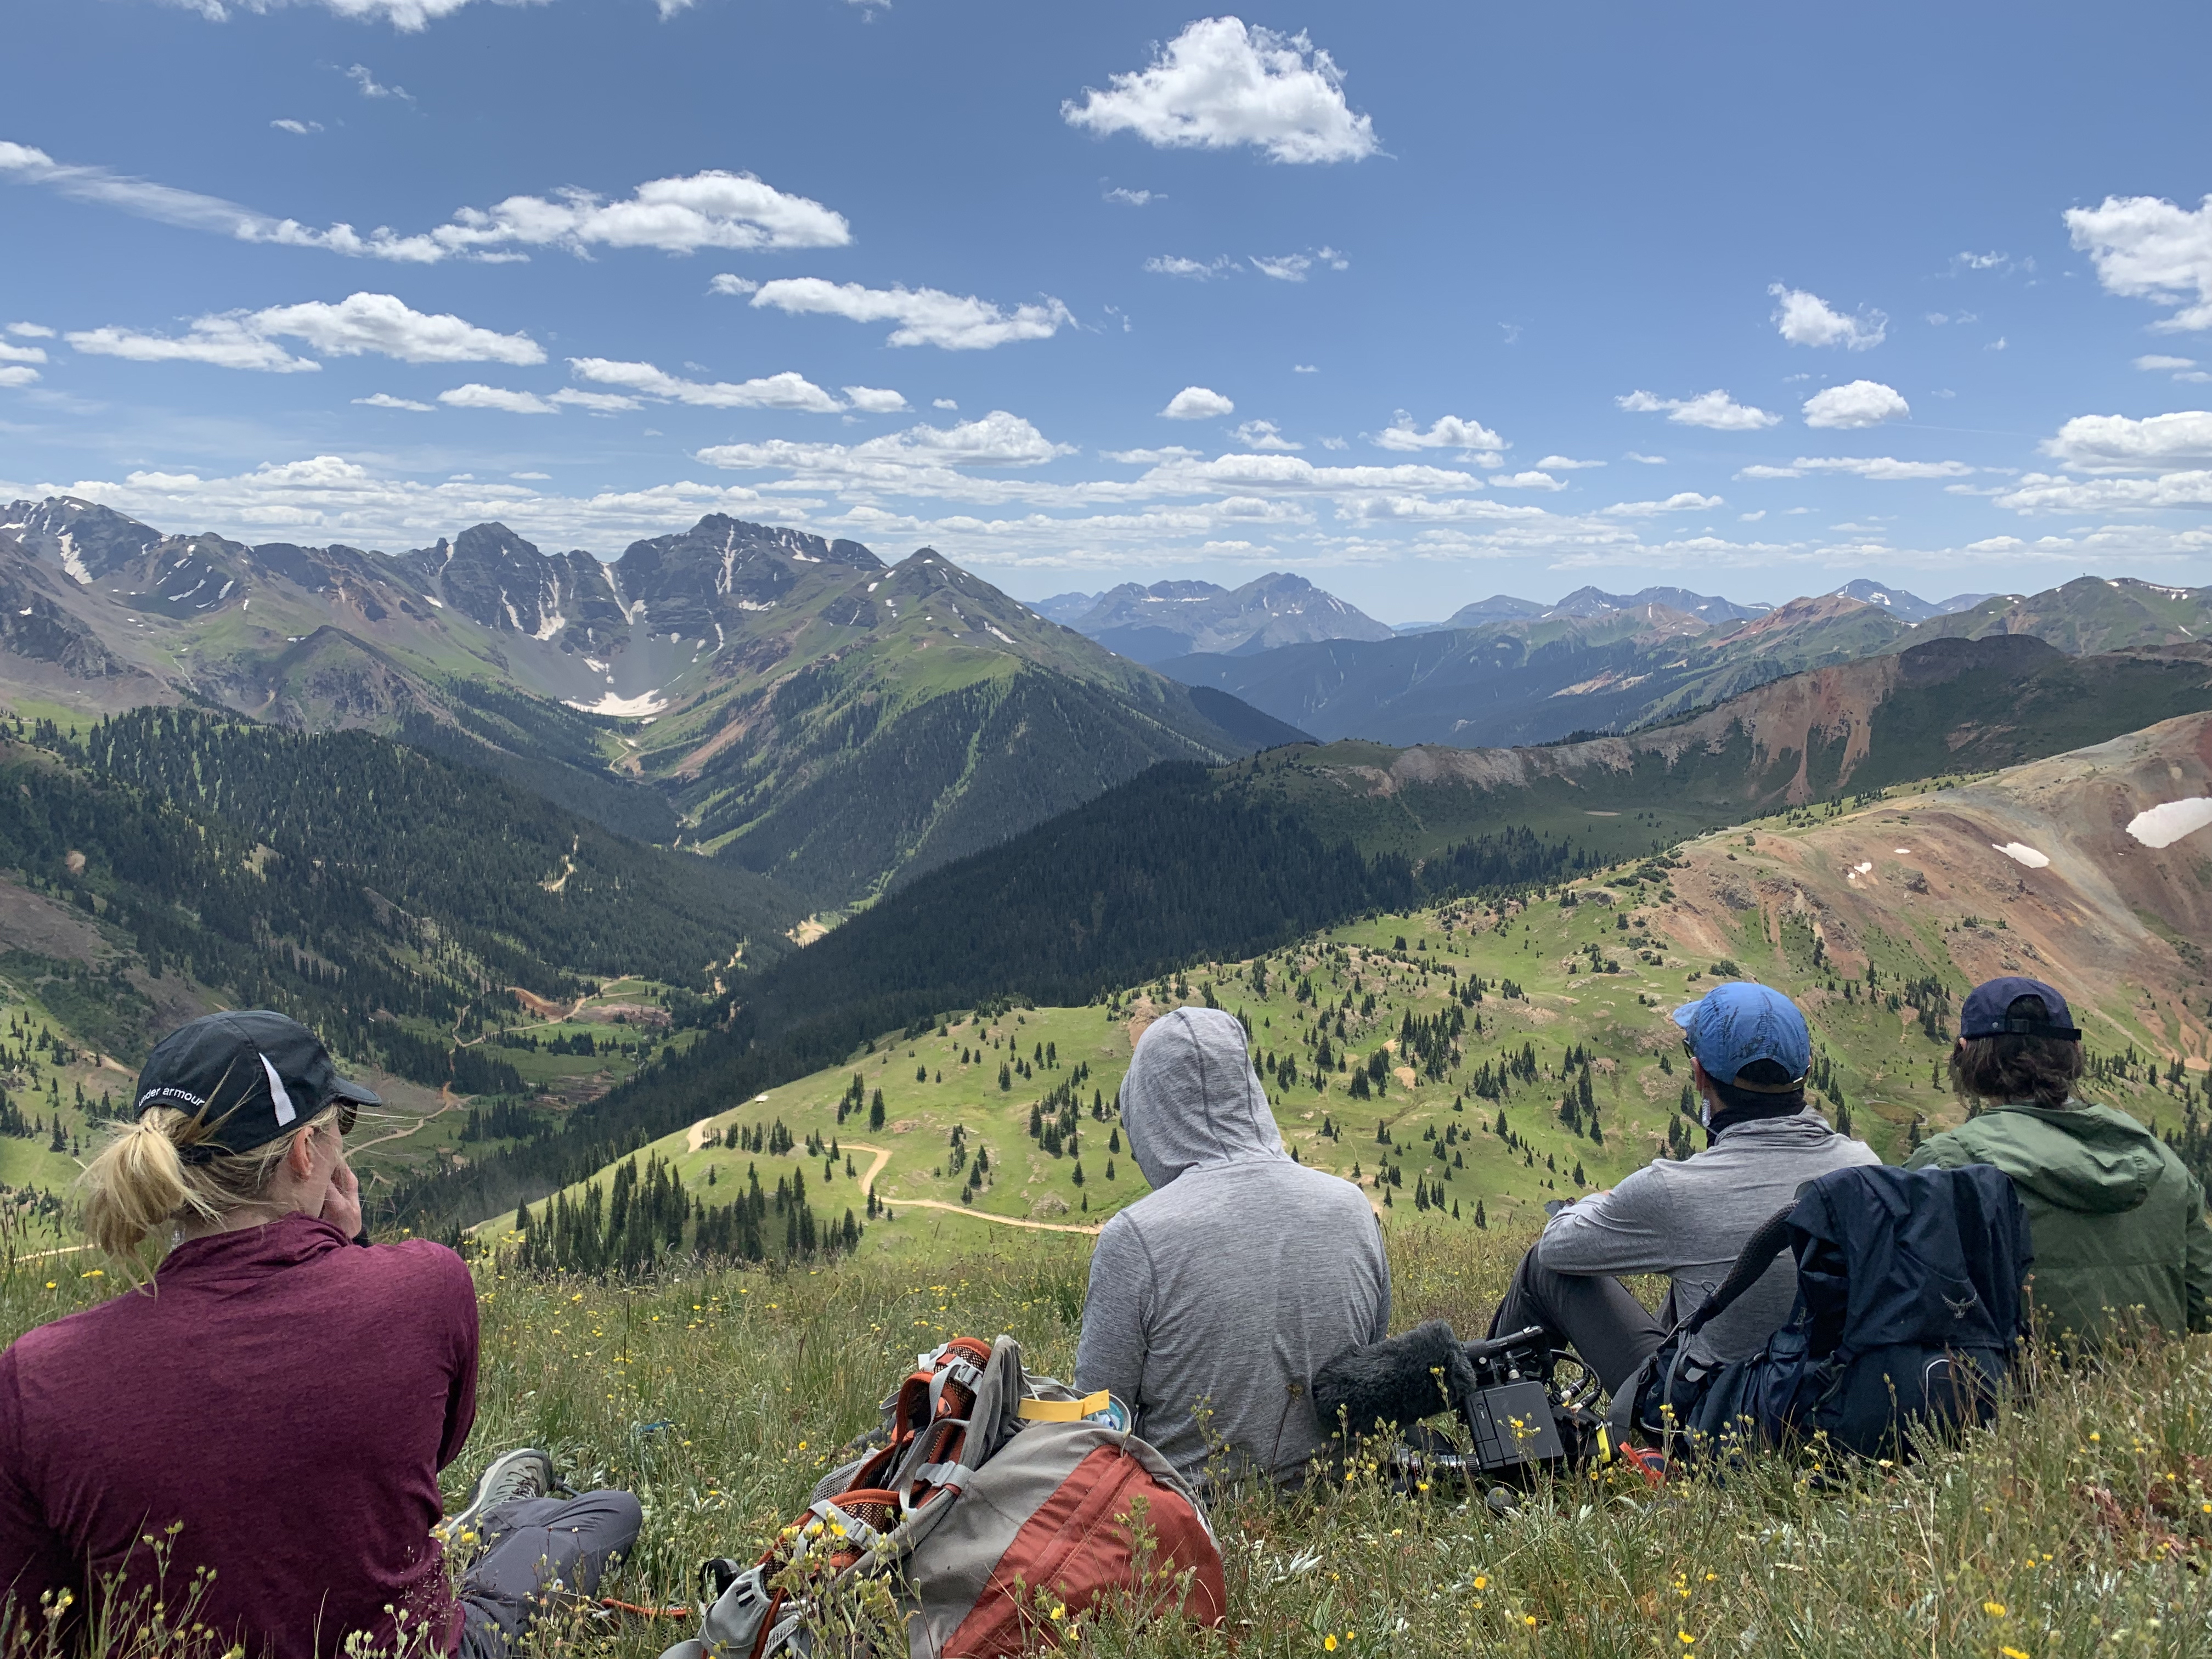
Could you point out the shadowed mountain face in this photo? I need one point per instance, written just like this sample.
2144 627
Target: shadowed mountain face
1170 619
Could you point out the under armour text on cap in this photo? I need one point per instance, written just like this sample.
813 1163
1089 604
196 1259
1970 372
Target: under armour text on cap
2016 1007
249 1076
1734 1025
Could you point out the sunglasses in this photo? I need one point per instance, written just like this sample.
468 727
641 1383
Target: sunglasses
349 1114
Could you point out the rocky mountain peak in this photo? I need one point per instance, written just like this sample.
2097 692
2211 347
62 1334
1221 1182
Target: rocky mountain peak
86 539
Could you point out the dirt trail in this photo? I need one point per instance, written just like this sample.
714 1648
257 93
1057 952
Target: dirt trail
447 1102
985 1215
552 1012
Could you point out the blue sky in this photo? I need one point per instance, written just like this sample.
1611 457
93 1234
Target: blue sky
1423 302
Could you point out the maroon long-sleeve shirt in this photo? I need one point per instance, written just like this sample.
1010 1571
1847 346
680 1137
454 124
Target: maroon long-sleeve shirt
286 1396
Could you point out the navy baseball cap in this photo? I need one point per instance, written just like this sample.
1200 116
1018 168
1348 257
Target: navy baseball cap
1734 1024
249 1076
1996 1009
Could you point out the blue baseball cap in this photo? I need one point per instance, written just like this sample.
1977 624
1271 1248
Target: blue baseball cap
1734 1024
1993 1010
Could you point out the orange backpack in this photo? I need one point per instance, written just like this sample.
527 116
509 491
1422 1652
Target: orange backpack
1000 1508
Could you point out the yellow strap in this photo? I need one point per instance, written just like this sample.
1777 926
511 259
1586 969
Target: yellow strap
1063 1410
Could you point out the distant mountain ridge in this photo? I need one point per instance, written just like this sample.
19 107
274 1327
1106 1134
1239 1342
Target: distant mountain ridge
1172 618
1542 678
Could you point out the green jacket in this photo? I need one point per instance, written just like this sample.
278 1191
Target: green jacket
2116 1221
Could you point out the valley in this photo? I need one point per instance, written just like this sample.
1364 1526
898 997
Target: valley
770 814
1466 1062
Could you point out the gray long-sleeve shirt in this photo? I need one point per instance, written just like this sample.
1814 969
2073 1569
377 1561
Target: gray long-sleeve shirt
1214 1299
1690 1219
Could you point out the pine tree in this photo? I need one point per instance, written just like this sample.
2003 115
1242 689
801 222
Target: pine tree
876 1111
1482 1219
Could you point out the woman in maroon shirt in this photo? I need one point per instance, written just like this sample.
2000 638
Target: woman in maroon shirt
276 1405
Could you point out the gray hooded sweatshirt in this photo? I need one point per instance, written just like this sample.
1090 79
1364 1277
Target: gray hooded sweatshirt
1215 1298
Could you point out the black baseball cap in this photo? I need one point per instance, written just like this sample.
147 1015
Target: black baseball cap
2015 1006
249 1076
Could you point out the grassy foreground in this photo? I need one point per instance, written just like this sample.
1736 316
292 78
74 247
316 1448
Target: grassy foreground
2082 1524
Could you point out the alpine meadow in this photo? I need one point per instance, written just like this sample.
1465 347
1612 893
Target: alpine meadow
845 676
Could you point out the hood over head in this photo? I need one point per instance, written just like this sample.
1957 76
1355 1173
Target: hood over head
1191 1097
2088 1159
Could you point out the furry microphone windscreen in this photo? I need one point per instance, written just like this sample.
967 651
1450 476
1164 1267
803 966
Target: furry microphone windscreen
1394 1382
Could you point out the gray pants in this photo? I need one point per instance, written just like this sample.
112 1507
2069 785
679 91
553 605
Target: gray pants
1610 1331
529 1547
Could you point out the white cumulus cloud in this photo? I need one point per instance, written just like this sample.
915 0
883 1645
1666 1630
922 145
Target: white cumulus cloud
1565 464
925 316
1686 500
2040 492
359 323
1856 404
1532 480
385 400
16 353
1219 84
409 16
921 456
1807 319
2159 359
285 124
710 210
1176 264
1198 403
1264 434
2149 248
17 374
786 390
875 400
477 395
1885 468
1715 409
2118 443
1445 432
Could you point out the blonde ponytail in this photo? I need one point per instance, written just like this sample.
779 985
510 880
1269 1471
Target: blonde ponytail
141 1183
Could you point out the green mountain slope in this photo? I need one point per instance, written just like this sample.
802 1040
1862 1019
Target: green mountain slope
1186 864
1475 1060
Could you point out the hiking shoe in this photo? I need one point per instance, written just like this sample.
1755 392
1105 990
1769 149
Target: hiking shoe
525 1472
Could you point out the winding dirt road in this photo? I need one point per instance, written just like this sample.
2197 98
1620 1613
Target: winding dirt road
1002 1220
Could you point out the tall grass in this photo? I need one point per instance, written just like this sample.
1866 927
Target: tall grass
2080 1525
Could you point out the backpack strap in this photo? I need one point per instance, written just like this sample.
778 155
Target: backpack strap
1751 1264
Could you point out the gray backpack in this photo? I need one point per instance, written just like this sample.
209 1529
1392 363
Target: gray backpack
999 1507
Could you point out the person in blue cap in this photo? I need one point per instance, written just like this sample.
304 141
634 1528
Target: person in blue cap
1749 1052
2118 1220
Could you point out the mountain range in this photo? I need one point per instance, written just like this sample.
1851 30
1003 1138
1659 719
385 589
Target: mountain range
1594 665
790 703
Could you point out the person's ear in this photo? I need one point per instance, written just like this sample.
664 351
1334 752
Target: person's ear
300 1158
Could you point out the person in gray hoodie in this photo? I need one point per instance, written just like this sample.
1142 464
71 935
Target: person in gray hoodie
1749 1052
1216 1296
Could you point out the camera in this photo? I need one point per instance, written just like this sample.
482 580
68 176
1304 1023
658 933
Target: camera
1521 1417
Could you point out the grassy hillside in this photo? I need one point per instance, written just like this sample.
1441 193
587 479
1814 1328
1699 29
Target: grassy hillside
2073 1528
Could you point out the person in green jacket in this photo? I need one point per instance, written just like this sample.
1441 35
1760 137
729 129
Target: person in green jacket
2116 1219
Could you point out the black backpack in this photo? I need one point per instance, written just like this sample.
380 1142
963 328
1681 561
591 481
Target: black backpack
1910 1309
